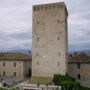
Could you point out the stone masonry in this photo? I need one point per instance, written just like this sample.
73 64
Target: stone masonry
49 40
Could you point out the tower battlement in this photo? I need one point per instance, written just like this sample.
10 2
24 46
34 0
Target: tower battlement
52 6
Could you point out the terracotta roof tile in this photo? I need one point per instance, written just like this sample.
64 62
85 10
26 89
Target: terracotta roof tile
14 56
81 57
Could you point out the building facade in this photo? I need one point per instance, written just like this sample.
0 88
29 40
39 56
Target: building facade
49 40
15 65
79 68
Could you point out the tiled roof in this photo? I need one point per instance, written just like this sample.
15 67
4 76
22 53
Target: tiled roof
81 57
14 56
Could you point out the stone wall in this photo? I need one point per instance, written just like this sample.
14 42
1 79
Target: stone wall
49 40
9 69
83 71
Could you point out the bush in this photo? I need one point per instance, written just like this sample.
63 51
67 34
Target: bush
83 88
70 85
4 84
58 79
3 89
67 83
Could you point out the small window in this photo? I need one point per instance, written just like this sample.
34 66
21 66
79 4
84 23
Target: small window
58 20
37 63
50 7
37 22
14 64
46 8
79 76
3 73
58 6
15 74
38 8
78 65
58 38
34 9
59 53
41 8
58 63
37 53
3 63
37 39
53 6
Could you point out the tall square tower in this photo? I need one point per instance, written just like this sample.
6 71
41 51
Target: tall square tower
49 40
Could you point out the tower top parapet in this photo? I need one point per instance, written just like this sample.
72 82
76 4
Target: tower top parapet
50 6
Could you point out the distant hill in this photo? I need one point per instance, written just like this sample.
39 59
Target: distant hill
85 51
27 51
18 50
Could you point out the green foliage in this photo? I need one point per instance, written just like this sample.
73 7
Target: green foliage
4 84
3 89
12 89
70 85
58 79
67 83
7 89
83 88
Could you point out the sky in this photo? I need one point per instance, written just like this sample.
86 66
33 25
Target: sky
16 23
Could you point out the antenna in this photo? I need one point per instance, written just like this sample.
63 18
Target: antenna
29 52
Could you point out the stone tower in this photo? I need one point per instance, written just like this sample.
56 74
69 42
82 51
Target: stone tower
49 40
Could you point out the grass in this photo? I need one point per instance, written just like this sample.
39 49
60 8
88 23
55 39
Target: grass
40 80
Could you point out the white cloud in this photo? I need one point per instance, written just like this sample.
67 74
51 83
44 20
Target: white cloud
16 18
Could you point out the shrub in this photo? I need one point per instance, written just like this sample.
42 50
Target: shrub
3 89
4 84
83 88
70 85
58 79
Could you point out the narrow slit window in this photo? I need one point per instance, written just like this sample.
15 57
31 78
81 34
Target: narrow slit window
79 76
38 8
78 65
37 22
14 74
37 63
34 9
3 63
58 38
3 73
58 63
46 8
14 64
37 53
58 21
37 39
59 53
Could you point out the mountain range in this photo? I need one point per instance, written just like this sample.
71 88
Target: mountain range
81 51
30 51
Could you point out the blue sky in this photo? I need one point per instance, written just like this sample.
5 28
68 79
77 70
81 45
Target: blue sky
16 23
